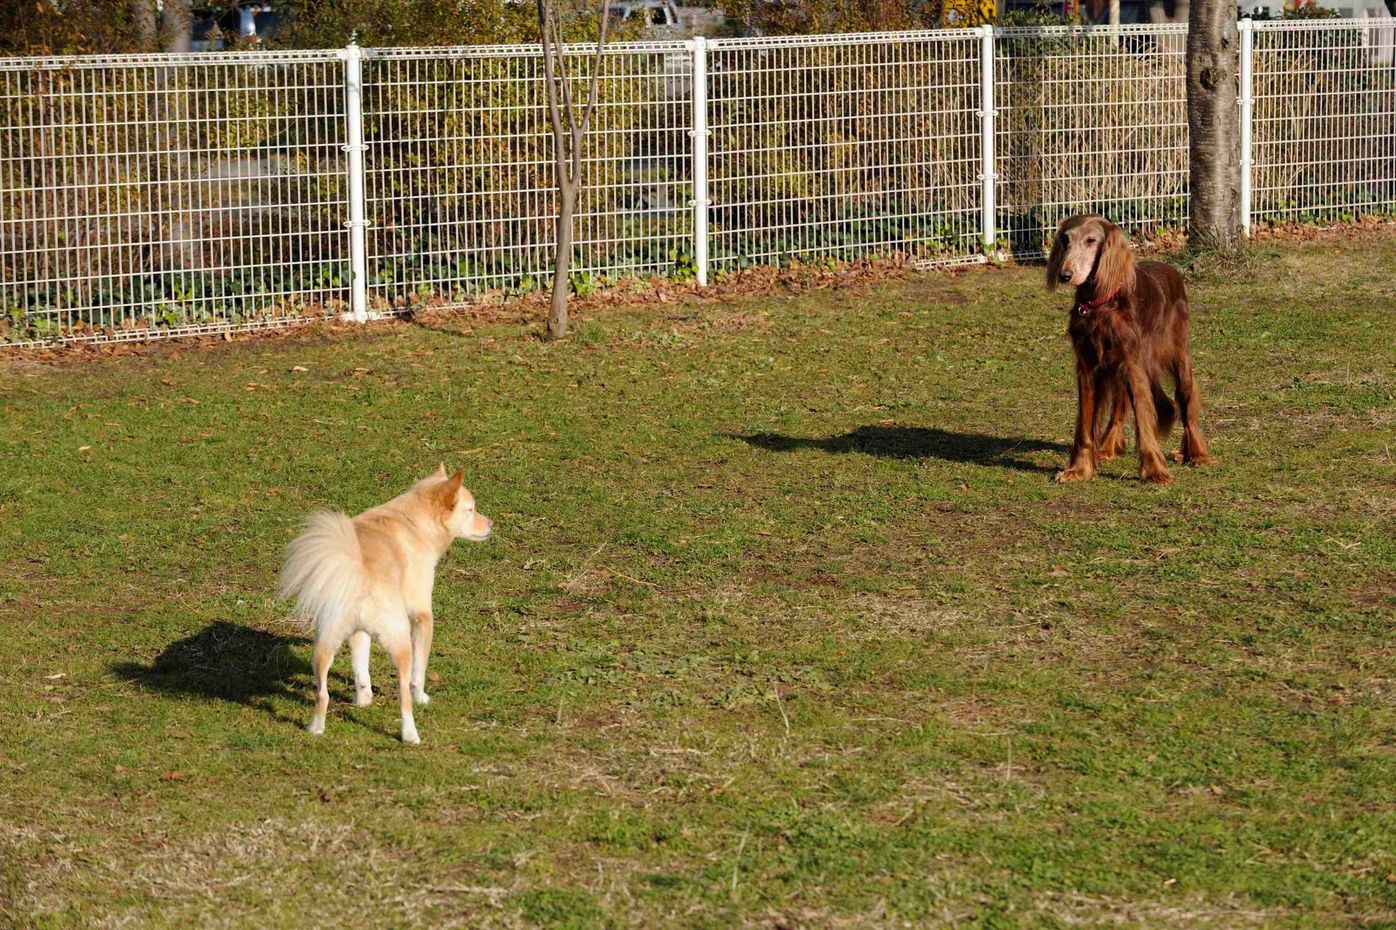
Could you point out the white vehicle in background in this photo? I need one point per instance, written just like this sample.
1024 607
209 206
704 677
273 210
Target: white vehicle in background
1347 9
665 19
1379 39
660 17
246 22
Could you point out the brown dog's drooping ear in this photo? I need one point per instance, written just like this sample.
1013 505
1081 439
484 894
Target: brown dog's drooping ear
1114 268
1054 260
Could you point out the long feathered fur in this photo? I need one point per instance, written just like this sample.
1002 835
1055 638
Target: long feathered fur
324 570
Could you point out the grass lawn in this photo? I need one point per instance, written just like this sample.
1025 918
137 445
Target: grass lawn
784 624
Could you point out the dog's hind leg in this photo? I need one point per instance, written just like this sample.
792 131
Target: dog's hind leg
1189 410
422 627
358 654
1112 445
398 643
1164 411
321 657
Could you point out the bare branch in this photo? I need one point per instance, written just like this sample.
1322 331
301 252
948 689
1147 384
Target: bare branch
564 76
596 68
549 68
579 129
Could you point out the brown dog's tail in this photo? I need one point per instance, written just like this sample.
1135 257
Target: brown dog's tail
1164 408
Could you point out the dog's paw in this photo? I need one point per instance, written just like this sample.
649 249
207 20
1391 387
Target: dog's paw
1074 474
317 727
1195 460
410 737
1157 477
363 697
421 697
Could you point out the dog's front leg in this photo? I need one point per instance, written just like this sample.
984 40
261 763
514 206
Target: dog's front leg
1083 447
423 625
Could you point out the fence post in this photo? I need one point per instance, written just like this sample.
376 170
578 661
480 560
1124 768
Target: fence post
354 106
1246 28
987 113
699 46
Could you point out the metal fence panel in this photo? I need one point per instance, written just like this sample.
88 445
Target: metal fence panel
168 194
1324 124
460 184
844 146
1090 119
174 193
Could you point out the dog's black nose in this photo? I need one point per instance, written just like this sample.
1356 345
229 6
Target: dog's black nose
1065 276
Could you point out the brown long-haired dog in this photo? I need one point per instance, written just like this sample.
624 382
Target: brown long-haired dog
1129 327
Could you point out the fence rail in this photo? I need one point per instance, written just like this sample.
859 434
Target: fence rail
159 195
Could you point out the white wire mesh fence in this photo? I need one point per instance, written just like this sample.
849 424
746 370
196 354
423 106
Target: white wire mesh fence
1324 126
850 146
162 195
460 184
169 194
1091 120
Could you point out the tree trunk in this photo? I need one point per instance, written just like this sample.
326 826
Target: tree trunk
146 24
179 26
569 130
566 209
1214 152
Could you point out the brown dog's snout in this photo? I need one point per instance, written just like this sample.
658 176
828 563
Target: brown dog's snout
1064 275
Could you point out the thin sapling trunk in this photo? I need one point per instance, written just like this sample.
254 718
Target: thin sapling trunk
569 134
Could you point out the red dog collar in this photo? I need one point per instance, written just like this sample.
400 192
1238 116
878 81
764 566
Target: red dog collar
1087 306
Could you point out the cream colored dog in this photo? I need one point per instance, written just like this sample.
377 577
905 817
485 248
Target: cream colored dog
372 577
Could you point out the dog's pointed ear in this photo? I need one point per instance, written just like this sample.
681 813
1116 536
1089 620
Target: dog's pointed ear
447 494
440 471
1058 254
1114 270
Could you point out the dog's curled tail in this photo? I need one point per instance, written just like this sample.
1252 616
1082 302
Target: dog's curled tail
324 570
